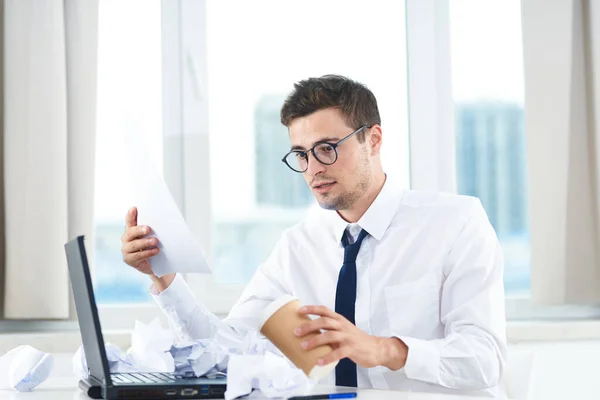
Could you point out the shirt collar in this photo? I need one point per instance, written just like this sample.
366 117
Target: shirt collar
378 216
339 226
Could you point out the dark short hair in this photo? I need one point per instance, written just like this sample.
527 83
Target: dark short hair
356 102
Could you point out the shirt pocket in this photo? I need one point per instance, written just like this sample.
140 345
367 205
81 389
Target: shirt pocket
413 308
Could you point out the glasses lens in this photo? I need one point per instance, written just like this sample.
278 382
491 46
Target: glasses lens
297 161
325 153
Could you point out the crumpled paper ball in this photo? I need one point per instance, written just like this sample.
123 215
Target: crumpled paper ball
24 367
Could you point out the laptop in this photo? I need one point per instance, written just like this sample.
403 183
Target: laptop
143 385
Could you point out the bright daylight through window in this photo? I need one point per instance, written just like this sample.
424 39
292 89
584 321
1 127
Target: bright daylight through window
487 74
129 98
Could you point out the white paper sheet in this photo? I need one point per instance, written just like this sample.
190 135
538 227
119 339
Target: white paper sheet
179 250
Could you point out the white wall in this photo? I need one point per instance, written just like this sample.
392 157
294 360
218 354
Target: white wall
565 370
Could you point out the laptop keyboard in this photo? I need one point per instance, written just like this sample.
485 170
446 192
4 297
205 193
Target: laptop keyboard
142 377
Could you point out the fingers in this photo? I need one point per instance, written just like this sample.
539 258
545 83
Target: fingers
131 217
136 251
134 232
139 244
136 258
329 337
316 326
334 356
321 311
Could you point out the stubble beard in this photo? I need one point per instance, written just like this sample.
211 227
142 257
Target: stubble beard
346 200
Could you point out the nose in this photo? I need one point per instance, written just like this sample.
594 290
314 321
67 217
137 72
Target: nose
314 166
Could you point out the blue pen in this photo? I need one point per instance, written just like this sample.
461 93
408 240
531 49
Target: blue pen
348 395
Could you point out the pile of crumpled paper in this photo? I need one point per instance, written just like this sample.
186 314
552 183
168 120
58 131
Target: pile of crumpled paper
255 364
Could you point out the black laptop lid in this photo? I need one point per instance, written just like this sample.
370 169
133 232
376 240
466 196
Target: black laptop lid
87 312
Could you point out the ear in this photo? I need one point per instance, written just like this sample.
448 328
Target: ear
375 138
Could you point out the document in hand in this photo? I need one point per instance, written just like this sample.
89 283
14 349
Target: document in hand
179 249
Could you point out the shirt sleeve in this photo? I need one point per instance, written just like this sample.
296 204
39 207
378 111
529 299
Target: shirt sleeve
472 354
189 319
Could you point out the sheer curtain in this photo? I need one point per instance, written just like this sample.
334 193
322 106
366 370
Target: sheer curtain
48 132
561 52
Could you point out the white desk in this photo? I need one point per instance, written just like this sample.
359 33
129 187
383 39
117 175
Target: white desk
61 389
63 385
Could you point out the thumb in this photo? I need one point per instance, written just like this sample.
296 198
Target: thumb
131 218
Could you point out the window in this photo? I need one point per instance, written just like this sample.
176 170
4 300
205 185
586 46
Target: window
254 55
487 78
129 98
239 66
272 139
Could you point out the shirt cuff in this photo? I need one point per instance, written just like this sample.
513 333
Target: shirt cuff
423 360
177 299
177 281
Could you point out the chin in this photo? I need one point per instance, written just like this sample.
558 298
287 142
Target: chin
327 206
328 203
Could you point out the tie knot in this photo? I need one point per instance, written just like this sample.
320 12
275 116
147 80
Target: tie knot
357 242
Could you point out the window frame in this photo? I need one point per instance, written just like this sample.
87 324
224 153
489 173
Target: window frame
186 119
431 106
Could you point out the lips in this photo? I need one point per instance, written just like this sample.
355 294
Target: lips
323 185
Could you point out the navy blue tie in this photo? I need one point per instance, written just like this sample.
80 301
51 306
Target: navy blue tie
345 299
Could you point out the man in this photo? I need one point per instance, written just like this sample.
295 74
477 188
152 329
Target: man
408 285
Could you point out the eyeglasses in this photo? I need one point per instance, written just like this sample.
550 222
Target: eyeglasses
324 152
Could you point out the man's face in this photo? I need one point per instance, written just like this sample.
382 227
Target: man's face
340 185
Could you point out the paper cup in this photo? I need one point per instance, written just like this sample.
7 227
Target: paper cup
278 323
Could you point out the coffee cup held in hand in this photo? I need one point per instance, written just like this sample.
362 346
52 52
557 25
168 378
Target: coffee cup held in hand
279 320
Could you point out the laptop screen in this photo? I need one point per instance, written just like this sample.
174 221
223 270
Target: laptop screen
87 312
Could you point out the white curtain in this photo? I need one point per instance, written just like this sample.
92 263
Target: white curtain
561 52
49 98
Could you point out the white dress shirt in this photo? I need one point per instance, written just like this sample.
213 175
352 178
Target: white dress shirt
430 272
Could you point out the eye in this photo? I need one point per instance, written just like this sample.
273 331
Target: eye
326 148
300 155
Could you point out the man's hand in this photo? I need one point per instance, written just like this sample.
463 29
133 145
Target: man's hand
137 250
348 341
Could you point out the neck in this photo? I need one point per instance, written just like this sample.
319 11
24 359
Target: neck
361 206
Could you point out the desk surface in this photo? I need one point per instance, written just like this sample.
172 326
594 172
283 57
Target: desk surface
63 385
66 388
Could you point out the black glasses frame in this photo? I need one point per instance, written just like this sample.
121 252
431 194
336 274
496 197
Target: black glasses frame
333 145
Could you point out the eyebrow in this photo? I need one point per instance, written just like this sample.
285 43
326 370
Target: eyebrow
325 139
